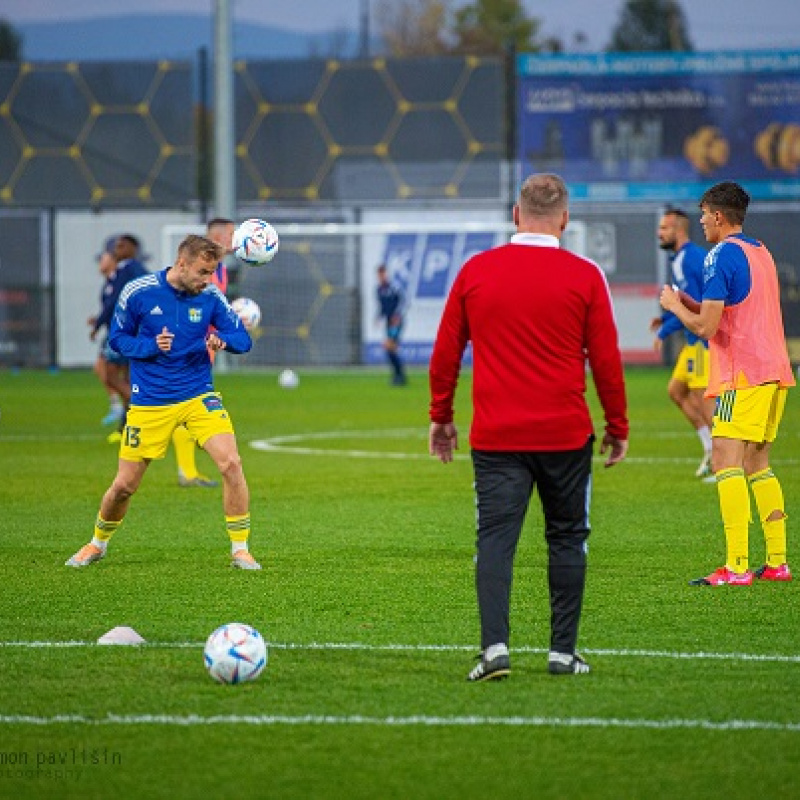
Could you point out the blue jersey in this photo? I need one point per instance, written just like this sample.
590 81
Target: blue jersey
687 274
150 304
726 272
125 272
391 300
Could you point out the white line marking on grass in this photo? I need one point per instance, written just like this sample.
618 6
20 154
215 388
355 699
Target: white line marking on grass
55 437
288 444
421 648
413 721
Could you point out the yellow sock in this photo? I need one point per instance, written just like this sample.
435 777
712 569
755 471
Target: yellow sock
103 530
185 447
238 531
769 497
734 505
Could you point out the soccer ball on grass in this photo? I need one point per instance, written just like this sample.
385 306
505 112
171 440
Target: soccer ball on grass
235 653
288 379
255 242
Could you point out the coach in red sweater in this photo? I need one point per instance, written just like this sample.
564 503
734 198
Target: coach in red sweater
535 315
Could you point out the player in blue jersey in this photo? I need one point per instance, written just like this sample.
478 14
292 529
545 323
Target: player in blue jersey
391 307
219 230
125 250
110 374
689 378
161 324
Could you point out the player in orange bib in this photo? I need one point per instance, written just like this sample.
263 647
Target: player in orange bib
750 374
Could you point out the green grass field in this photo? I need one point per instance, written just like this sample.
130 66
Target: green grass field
367 600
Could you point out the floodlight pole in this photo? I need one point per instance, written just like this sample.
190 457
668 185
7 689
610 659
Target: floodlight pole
363 48
224 139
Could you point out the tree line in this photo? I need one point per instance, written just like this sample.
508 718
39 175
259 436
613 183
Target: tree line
486 27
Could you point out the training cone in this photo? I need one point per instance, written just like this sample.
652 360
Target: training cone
121 635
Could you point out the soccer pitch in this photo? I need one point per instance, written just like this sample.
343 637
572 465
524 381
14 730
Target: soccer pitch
367 601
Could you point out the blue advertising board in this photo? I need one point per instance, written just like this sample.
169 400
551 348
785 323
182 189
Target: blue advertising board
424 265
662 126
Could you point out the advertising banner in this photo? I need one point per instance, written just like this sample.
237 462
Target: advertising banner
662 126
423 257
424 251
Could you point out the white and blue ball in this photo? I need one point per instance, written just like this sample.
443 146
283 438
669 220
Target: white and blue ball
235 653
288 379
255 242
248 312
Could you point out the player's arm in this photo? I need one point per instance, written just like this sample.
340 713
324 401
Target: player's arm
105 315
445 365
230 333
724 269
602 349
123 334
701 319
669 324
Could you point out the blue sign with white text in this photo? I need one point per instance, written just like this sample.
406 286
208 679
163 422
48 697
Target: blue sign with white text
662 126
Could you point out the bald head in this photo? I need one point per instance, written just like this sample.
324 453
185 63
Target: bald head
543 205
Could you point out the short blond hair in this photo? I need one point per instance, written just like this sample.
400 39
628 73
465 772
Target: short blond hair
543 195
194 246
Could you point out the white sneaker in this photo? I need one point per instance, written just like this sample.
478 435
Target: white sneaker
704 467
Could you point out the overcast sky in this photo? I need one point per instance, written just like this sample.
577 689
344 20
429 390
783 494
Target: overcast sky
713 24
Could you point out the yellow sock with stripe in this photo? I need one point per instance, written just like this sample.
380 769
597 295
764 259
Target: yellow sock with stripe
103 530
769 497
238 531
185 454
734 505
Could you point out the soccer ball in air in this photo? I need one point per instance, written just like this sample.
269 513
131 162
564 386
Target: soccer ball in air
288 379
248 312
255 242
235 653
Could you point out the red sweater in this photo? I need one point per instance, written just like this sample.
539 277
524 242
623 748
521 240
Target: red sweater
535 314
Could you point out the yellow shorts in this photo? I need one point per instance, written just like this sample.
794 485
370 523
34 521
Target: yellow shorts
149 429
691 367
751 415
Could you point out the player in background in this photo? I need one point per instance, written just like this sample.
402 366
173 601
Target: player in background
536 316
219 230
128 267
391 307
740 315
161 323
689 379
108 372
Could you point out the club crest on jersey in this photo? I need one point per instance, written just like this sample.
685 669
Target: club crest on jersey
195 315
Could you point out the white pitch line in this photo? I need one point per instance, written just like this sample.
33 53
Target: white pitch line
413 721
438 648
288 444
55 437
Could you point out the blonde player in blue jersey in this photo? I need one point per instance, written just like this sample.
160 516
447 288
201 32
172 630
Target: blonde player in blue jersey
161 324
219 230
